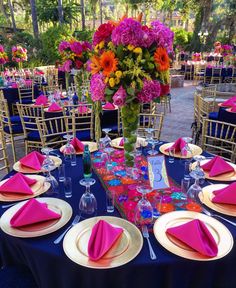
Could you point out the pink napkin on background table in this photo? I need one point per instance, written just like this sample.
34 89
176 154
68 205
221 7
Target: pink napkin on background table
77 144
197 236
233 108
228 103
102 239
109 105
122 142
217 166
33 160
178 146
225 195
33 212
18 183
14 85
83 109
28 82
41 100
54 107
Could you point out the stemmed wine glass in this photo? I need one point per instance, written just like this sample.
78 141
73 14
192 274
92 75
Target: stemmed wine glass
48 165
88 202
187 150
109 150
69 150
106 139
151 141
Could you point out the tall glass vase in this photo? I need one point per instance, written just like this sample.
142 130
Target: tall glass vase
130 115
97 110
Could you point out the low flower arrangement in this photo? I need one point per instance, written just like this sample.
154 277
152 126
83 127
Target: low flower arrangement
196 56
130 66
19 55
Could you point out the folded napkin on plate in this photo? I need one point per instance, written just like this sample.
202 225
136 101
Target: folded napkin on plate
122 142
14 85
33 212
109 105
18 183
233 108
217 166
54 107
83 109
178 146
33 160
77 144
228 103
225 195
102 239
196 235
41 100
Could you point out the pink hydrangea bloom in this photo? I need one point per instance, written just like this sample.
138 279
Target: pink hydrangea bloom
151 90
148 37
63 46
97 87
67 66
76 47
163 36
119 97
129 31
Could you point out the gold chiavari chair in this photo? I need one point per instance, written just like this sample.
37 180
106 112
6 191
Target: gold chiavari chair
11 125
199 73
188 73
233 75
154 121
165 103
52 130
51 88
3 153
216 75
219 138
28 114
149 108
26 93
52 76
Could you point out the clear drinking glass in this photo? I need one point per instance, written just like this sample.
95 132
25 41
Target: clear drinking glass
88 202
107 139
69 151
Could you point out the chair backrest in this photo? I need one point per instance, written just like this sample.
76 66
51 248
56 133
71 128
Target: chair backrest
148 108
52 76
205 106
4 164
51 130
26 92
216 72
209 91
154 121
219 138
5 119
51 88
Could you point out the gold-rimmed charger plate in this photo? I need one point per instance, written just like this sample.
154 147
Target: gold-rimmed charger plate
92 147
196 150
230 176
57 111
19 168
221 234
126 248
39 229
140 141
38 188
206 198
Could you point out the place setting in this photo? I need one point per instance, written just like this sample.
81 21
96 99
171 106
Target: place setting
77 145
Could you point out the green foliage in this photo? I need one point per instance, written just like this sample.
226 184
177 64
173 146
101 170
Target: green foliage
83 35
182 37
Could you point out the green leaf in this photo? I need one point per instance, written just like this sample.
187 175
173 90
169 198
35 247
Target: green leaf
130 91
109 92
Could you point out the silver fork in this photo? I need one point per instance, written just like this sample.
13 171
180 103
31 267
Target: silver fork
146 235
75 221
208 213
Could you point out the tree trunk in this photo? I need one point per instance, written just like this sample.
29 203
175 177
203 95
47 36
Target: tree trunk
82 14
12 15
100 6
60 12
34 18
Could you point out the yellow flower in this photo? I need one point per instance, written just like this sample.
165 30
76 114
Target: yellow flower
118 74
112 82
138 50
106 79
110 45
96 49
101 44
130 47
117 80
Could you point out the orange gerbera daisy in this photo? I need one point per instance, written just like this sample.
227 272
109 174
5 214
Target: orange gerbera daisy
108 62
162 59
95 65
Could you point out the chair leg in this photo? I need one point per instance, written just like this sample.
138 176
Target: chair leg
13 148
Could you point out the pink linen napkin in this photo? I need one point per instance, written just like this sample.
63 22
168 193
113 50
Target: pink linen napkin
14 85
33 212
33 160
228 103
102 238
83 109
77 144
178 146
28 82
109 105
41 100
217 166
54 107
196 235
19 183
225 195
122 142
233 108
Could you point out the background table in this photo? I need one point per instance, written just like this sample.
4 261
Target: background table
51 267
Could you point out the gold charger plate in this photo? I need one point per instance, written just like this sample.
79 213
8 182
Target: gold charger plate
18 167
38 188
92 147
39 229
230 176
125 249
196 150
206 198
115 142
220 233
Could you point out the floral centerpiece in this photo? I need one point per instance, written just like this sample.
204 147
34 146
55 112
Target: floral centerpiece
226 50
130 66
196 56
19 55
3 56
74 55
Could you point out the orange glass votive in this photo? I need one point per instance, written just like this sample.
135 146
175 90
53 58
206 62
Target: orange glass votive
165 207
194 207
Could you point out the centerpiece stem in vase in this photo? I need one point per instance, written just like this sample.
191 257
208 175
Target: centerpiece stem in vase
130 116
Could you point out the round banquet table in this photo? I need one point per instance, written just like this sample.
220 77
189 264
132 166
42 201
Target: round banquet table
51 267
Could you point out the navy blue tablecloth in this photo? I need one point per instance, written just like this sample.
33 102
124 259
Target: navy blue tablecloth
51 267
